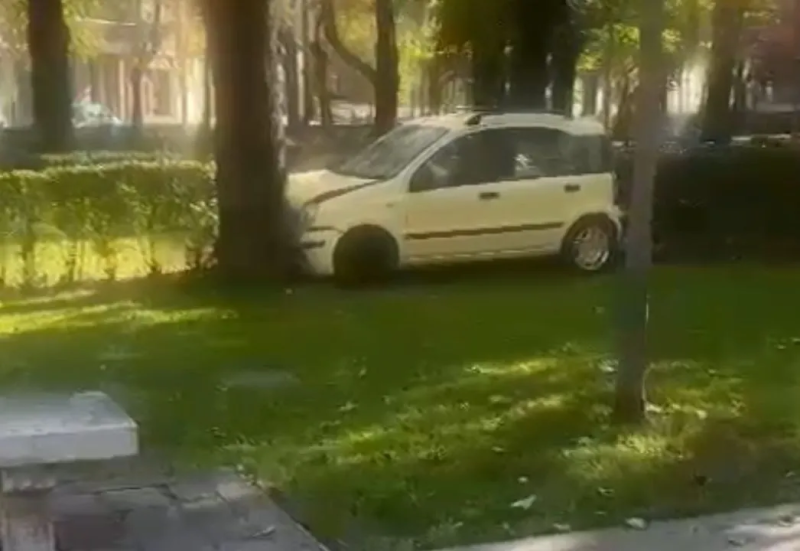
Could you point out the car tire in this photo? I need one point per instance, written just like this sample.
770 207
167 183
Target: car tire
591 245
365 255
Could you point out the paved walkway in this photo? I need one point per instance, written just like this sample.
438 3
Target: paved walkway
135 506
774 529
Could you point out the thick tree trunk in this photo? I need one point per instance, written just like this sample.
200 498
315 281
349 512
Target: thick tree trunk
629 404
528 76
48 44
564 63
250 178
387 59
488 73
564 75
727 25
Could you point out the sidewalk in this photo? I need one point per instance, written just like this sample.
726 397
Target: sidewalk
774 529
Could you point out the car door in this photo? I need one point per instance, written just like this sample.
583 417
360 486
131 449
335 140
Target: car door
452 205
541 192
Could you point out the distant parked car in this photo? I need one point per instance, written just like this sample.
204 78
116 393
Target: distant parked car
87 114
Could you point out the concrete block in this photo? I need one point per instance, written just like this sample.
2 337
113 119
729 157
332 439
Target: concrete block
51 428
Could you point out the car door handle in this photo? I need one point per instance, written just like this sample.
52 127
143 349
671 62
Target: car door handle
572 188
488 195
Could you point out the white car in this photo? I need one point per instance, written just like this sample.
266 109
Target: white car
458 188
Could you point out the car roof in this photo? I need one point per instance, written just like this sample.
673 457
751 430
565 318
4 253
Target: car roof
456 121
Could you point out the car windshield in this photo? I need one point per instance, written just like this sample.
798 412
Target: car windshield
388 155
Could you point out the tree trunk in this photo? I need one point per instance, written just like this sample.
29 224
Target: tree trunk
528 76
434 85
250 178
488 74
564 69
208 99
727 20
608 77
183 58
629 404
308 64
291 70
387 59
320 57
48 44
137 109
94 81
591 84
565 50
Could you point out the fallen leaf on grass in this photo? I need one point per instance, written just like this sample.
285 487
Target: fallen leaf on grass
525 503
737 542
349 406
636 523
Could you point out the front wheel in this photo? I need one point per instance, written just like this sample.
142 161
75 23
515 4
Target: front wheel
364 256
591 245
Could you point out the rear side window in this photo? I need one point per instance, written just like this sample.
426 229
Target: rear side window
591 154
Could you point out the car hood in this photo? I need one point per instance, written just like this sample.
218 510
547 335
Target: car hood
307 186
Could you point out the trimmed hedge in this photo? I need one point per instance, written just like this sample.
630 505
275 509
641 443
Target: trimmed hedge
734 201
100 204
106 157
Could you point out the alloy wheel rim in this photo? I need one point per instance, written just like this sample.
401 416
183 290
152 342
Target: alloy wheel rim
591 249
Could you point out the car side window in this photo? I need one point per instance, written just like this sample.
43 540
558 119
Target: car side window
542 152
477 158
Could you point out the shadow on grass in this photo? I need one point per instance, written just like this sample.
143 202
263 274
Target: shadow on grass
427 411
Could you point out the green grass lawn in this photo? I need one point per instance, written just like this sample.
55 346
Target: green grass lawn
426 410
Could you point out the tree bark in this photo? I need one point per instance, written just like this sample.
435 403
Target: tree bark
137 109
291 70
528 76
320 60
149 44
48 44
387 81
488 74
250 176
308 63
727 20
629 404
565 50
591 84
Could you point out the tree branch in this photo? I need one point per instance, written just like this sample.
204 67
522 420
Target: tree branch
327 16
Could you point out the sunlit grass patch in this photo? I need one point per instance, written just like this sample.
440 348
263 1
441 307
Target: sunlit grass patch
448 413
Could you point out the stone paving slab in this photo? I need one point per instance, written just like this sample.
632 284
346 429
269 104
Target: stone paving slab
772 529
135 506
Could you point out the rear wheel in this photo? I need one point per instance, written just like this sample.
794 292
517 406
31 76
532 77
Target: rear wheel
366 255
591 244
